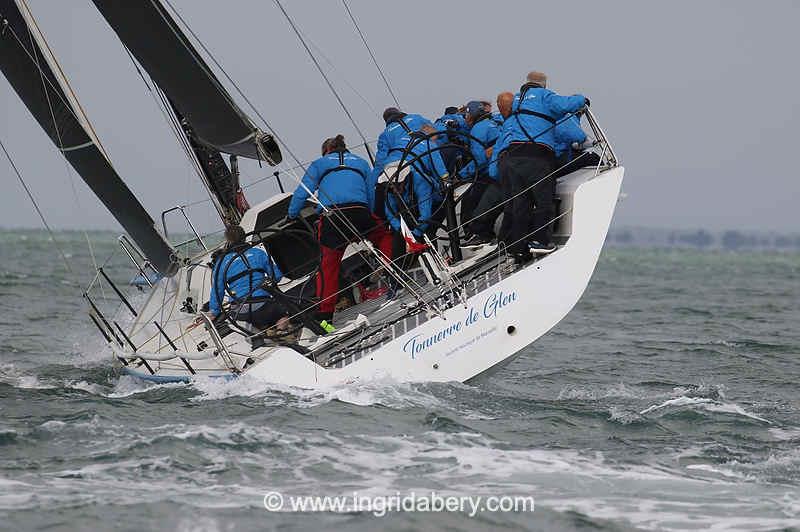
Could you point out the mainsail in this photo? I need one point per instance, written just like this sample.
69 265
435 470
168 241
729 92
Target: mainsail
153 37
31 70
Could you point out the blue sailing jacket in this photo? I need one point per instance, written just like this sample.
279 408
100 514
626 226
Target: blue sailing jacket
568 131
499 147
458 118
394 139
548 107
337 178
232 265
483 135
428 170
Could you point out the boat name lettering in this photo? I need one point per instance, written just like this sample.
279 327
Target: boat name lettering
493 304
496 302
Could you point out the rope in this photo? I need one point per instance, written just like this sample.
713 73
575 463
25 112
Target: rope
324 76
374 60
38 211
55 122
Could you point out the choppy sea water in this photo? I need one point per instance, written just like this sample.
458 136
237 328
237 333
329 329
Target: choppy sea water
667 400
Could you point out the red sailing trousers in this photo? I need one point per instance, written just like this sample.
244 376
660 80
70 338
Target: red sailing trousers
328 276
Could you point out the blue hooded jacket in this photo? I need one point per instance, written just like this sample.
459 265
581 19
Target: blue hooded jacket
230 265
428 169
458 118
568 131
499 147
484 134
338 178
530 128
394 139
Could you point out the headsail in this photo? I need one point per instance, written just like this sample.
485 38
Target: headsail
31 71
153 37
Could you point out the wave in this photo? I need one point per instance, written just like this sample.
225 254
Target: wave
13 376
704 403
378 392
233 465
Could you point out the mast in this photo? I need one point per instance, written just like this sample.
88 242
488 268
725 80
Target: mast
217 177
158 43
32 71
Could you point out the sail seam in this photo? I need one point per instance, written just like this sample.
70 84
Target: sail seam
77 147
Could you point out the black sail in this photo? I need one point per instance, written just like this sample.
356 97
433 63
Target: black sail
153 37
29 73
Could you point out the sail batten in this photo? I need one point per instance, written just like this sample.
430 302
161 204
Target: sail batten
33 73
160 46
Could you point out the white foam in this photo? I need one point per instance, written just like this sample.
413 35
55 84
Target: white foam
678 401
620 415
704 403
732 408
619 390
384 392
127 386
785 434
92 388
708 468
53 425
10 374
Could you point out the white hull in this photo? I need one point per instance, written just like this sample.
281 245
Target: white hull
496 323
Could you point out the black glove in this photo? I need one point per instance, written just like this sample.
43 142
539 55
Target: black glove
586 103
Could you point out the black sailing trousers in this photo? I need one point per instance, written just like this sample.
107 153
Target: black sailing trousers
525 176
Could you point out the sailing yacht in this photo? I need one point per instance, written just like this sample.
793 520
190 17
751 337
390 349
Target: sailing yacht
460 313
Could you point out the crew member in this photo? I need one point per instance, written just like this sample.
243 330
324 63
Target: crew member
394 138
238 276
454 140
505 101
572 146
484 130
340 180
424 193
529 165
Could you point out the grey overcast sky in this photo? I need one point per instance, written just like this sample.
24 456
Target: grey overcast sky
699 97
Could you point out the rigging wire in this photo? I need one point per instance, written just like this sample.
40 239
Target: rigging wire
38 211
57 130
344 78
234 84
172 122
325 77
374 60
67 105
291 170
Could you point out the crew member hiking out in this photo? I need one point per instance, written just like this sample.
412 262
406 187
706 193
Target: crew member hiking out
340 181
